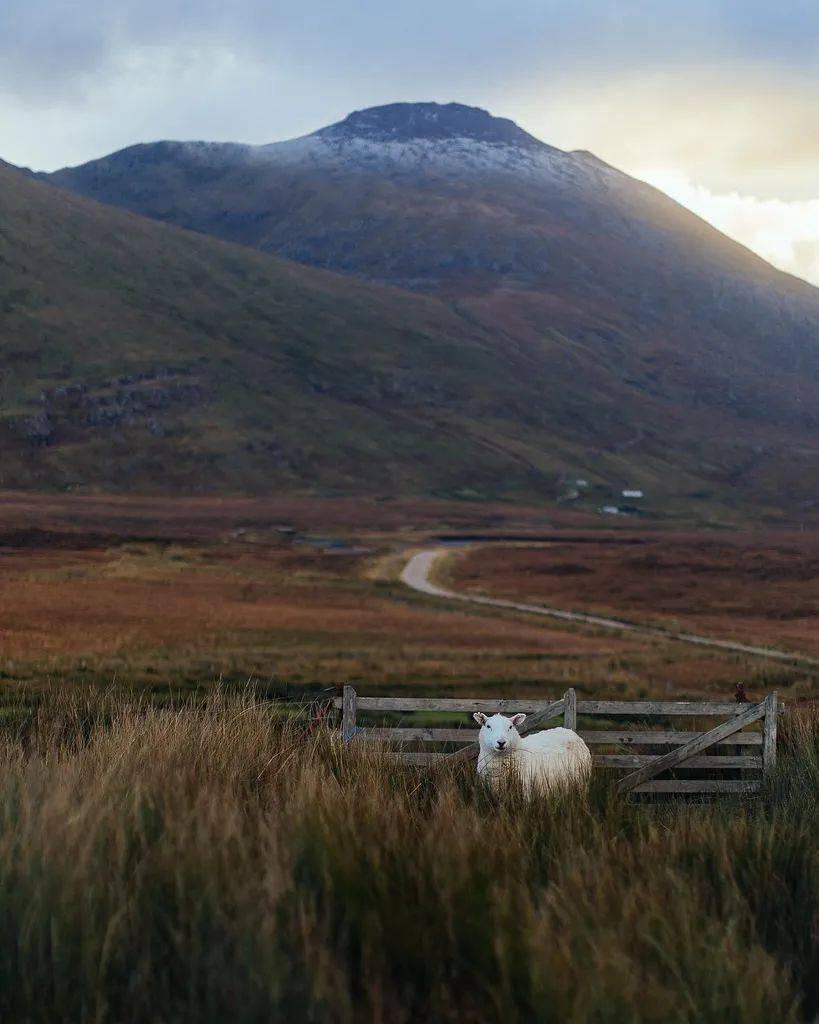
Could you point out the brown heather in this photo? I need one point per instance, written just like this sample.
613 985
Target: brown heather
212 861
139 357
170 594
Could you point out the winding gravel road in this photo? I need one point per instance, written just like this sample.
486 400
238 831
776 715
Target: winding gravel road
416 574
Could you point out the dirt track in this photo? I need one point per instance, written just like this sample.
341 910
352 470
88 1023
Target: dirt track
416 574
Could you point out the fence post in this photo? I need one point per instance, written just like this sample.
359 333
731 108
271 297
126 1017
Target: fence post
349 705
769 733
570 714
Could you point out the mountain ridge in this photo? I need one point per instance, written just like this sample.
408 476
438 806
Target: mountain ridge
391 125
140 357
623 330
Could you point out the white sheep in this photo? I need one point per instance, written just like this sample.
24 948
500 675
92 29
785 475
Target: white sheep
542 760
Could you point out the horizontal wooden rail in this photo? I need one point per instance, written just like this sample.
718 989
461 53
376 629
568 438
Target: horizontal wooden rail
657 707
704 761
649 738
597 737
615 761
459 704
418 757
584 707
697 786
405 735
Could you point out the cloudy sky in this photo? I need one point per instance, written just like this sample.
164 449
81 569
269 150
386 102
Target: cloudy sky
714 101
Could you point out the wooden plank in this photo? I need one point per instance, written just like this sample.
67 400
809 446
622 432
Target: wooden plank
769 733
403 735
656 707
462 704
400 734
692 747
421 757
697 786
532 724
584 707
600 760
570 714
664 739
426 757
716 761
348 713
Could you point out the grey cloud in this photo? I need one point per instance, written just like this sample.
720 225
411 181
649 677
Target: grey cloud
57 43
81 77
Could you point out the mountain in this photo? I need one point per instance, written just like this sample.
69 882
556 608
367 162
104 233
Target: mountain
137 355
523 238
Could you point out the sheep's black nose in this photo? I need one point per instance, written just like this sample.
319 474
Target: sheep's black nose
501 744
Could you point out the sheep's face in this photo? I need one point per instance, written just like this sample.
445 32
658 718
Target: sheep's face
498 735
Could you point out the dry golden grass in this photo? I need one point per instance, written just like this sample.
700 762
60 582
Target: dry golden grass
210 862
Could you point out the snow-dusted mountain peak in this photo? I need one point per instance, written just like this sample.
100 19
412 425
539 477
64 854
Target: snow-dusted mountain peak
431 138
407 122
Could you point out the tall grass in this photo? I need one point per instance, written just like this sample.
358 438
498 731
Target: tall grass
211 862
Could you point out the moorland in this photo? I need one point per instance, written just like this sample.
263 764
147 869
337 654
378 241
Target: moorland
304 594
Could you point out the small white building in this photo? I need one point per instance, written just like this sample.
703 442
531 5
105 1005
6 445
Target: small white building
610 510
632 494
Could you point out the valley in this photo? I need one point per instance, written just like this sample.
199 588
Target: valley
298 596
239 385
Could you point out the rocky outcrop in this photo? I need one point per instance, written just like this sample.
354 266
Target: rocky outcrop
151 401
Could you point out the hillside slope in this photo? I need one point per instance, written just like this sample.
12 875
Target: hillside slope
139 356
524 237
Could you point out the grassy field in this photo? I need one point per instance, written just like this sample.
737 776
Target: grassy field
303 595
758 589
212 862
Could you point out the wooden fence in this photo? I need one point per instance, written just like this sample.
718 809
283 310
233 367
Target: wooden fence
728 746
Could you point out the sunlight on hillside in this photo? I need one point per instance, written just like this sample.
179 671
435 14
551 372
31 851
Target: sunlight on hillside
784 233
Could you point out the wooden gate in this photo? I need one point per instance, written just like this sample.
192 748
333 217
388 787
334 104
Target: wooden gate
703 755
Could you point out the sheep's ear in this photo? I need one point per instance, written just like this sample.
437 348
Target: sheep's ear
480 717
518 720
